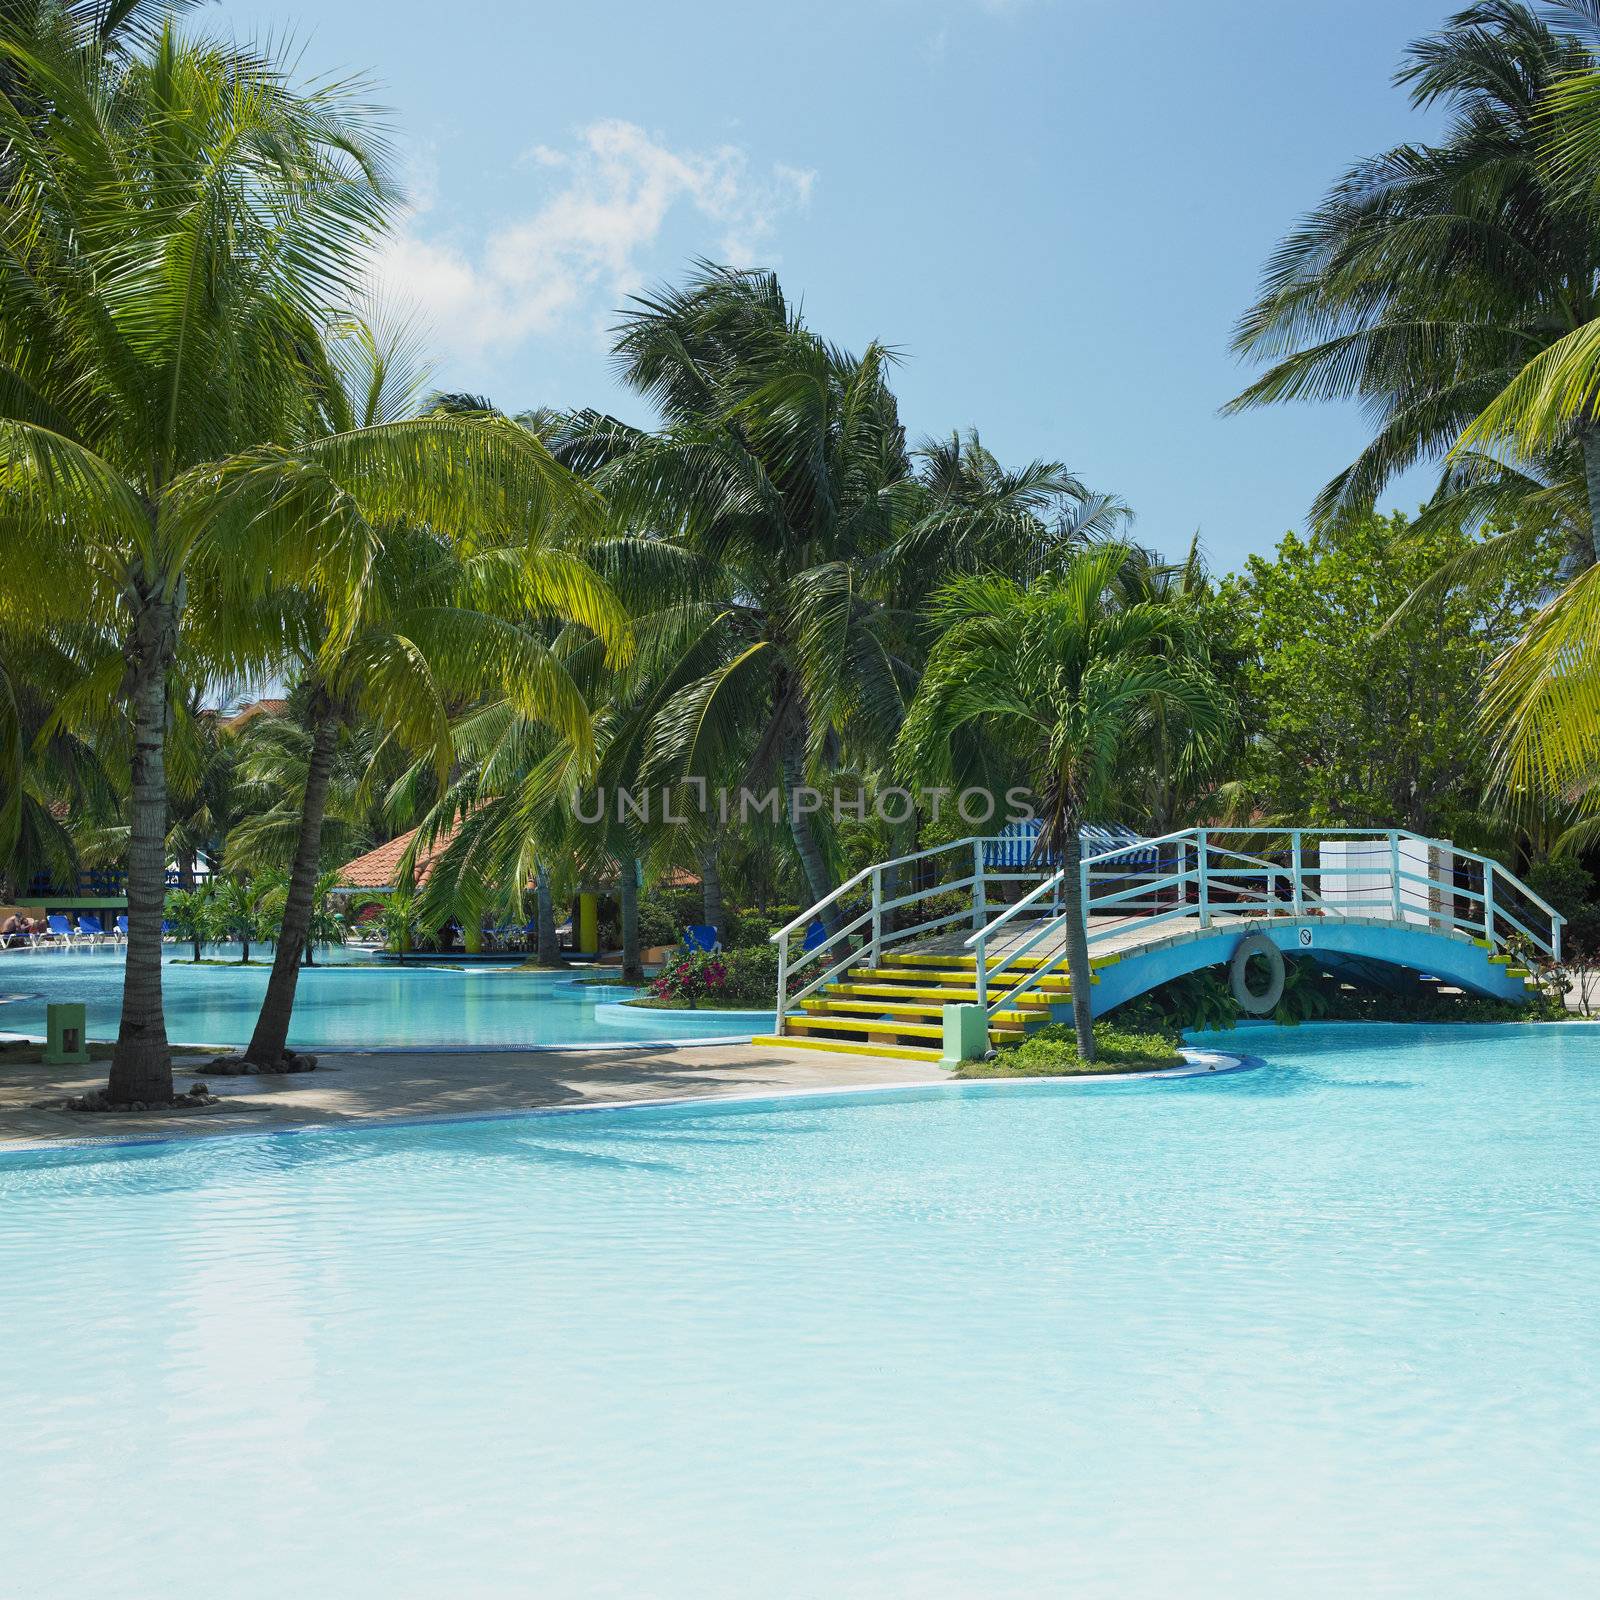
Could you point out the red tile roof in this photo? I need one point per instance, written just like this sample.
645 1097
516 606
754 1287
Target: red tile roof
377 868
249 713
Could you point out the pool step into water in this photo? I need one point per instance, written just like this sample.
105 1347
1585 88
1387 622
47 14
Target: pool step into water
896 1008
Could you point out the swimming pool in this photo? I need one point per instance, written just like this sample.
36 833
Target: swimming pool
1324 1328
356 1002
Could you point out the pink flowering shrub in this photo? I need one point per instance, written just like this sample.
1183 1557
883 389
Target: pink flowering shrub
692 977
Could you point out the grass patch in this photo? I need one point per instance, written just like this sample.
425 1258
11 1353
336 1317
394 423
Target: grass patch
216 961
1052 1052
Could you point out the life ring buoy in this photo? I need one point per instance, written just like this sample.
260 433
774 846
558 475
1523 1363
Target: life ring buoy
1257 1005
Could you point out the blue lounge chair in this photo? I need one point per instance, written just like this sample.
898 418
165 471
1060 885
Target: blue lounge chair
90 930
119 928
700 938
61 929
816 934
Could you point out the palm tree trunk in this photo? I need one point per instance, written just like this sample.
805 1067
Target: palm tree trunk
628 897
711 890
1077 935
545 916
818 880
271 1036
141 1065
1589 440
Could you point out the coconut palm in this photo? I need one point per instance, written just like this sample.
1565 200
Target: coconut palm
171 240
971 514
1068 676
760 508
1432 274
435 623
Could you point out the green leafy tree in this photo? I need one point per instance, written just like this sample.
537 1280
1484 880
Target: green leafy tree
1353 719
1066 674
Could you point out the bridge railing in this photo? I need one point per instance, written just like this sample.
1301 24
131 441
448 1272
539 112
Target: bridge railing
1210 874
1202 875
869 913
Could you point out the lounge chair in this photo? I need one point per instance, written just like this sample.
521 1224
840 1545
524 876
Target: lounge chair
119 929
700 938
90 929
816 933
61 930
167 935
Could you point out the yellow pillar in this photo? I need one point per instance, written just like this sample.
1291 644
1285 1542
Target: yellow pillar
589 922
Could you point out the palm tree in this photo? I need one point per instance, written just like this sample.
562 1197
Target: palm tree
435 622
1455 288
173 237
971 514
758 511
1068 676
1433 274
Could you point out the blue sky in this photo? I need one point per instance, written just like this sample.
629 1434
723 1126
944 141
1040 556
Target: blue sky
1053 208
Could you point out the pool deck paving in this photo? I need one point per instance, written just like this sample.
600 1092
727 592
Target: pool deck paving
367 1087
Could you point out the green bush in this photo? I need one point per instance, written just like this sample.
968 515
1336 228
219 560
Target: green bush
1202 1001
753 974
747 929
1053 1052
658 924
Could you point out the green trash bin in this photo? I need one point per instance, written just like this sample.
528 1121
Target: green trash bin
68 1043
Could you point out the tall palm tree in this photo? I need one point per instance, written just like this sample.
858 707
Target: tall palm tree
775 480
1068 675
1433 274
172 238
435 623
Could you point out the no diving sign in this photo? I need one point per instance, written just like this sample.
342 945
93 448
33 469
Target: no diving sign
1305 938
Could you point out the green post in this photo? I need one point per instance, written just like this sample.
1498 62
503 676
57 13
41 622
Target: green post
67 1028
966 1035
589 923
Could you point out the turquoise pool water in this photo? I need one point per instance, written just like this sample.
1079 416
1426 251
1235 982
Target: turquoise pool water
1327 1328
356 1002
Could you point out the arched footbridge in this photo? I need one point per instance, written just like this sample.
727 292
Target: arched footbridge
980 924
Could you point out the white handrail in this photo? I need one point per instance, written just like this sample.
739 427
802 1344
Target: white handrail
1244 880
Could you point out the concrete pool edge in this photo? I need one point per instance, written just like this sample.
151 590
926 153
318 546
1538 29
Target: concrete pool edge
1199 1064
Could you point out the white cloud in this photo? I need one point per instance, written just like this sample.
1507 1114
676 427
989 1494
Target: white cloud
585 242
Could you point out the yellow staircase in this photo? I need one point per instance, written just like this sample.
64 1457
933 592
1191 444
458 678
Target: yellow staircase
897 1008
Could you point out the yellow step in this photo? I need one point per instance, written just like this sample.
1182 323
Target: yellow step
917 1030
1039 995
898 1052
886 1008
